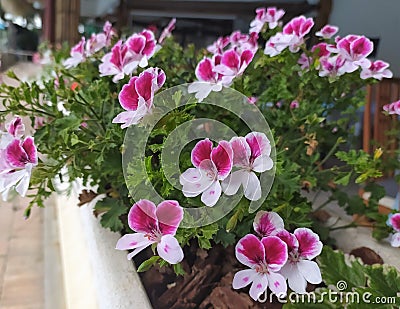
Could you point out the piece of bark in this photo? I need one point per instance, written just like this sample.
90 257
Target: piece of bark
367 255
86 196
223 297
193 288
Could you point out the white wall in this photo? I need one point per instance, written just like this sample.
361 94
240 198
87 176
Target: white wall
372 18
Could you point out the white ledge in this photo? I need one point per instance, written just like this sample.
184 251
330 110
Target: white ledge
95 274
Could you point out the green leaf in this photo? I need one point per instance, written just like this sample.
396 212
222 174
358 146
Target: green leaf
111 219
146 265
178 269
335 268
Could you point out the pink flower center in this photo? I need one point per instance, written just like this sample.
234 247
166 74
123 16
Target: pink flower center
262 268
294 257
155 235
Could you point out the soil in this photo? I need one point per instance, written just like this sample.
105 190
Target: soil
207 283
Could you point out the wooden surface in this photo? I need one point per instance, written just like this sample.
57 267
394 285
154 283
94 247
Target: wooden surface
376 123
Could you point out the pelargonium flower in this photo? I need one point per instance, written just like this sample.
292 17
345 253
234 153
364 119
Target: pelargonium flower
167 31
233 63
395 223
327 31
218 46
241 42
277 43
137 96
95 43
208 79
354 49
15 129
392 108
16 162
118 63
154 225
211 166
109 32
298 27
142 46
332 66
267 223
270 15
378 70
303 246
265 258
250 153
77 55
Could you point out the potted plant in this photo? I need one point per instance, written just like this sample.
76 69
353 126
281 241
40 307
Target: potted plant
203 158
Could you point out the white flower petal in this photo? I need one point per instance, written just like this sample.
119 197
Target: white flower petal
211 196
231 184
252 187
310 271
243 278
169 249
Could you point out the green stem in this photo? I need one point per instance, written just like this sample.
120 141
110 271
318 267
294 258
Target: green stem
330 153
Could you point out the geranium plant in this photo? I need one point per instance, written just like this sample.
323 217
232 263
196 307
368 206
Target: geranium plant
91 96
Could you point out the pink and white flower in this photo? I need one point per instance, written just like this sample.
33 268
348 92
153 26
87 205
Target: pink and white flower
378 70
332 66
392 108
142 47
167 31
241 42
278 42
270 15
265 258
298 28
233 63
218 46
354 49
137 96
212 164
303 246
250 154
154 225
109 32
395 223
118 63
208 79
17 159
95 43
327 31
268 223
77 55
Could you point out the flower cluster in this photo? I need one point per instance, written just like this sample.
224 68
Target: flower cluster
18 156
392 108
248 154
277 255
231 56
335 57
136 97
124 58
85 49
269 15
154 225
394 222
